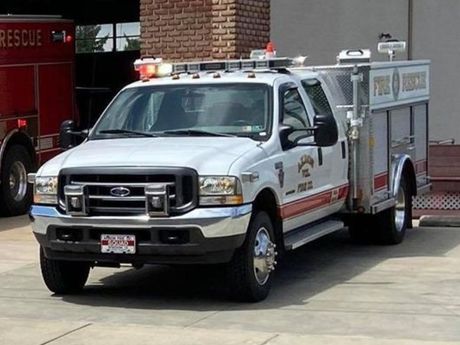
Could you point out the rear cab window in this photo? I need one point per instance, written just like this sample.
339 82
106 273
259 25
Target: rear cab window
317 97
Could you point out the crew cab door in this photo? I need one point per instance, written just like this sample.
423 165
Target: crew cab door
301 185
333 160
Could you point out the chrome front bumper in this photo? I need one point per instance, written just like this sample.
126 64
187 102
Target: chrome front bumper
212 222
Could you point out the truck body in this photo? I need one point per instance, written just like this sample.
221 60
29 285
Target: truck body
36 95
236 162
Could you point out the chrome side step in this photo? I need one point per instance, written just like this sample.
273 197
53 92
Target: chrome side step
303 236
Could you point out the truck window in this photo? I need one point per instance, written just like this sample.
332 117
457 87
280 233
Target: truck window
236 109
317 97
294 113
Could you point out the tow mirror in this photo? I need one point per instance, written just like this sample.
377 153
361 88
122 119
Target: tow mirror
66 138
69 137
326 130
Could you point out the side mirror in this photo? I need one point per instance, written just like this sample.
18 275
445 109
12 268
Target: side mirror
326 130
69 137
66 138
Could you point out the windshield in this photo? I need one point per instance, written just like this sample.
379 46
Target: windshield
189 110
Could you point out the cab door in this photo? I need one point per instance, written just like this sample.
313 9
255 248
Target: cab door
301 191
332 160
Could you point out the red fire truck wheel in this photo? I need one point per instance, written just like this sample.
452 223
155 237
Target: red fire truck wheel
16 193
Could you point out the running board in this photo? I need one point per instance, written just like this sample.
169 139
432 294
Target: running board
303 236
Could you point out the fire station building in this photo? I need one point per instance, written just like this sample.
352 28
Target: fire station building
112 33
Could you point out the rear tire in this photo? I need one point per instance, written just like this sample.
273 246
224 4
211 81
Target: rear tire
392 223
250 271
63 277
15 192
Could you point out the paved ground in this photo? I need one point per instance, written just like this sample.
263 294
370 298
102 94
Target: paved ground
328 292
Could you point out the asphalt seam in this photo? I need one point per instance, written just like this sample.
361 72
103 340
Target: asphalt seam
66 334
202 319
270 339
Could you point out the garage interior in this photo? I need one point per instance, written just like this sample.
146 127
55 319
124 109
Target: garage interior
99 75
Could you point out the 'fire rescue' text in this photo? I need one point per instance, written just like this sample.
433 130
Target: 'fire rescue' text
20 38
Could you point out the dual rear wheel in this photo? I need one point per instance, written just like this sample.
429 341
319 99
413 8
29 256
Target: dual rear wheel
389 226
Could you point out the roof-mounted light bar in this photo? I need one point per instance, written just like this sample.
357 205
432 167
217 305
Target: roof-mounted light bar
150 67
233 65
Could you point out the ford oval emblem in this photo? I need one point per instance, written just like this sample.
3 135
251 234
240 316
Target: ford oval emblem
120 192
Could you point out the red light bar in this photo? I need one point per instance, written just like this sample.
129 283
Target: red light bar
152 68
147 71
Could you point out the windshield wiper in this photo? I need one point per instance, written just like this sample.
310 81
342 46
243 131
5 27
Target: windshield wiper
197 132
126 131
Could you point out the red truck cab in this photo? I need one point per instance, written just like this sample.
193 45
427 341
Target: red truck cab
37 63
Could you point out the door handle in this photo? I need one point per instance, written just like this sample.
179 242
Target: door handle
344 150
320 156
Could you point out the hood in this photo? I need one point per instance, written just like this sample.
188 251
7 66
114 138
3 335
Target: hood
208 156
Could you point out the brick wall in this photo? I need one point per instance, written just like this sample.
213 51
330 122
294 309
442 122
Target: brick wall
203 29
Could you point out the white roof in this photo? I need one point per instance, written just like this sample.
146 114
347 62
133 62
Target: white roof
263 77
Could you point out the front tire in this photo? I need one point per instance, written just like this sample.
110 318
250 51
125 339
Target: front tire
15 192
63 277
251 269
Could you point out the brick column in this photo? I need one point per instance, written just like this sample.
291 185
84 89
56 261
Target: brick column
204 29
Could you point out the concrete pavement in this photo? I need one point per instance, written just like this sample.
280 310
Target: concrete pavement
330 291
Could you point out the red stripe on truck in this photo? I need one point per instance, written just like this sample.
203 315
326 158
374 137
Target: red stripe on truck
313 202
380 181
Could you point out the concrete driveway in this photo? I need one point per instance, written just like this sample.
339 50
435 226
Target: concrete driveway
330 291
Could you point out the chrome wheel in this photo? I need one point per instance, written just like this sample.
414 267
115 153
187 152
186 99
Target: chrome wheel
400 210
18 181
264 256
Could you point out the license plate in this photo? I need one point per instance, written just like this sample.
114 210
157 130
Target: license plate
118 244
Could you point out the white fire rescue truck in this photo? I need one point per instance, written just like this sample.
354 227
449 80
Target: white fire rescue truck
236 162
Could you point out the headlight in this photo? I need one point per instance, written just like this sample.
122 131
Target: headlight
220 190
46 190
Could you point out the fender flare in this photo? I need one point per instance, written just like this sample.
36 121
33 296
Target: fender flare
267 187
402 164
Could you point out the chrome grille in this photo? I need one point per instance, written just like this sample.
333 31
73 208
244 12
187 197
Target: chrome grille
181 183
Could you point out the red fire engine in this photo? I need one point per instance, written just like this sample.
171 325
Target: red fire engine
37 55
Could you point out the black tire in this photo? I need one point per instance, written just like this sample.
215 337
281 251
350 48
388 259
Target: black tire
244 284
392 231
15 200
63 277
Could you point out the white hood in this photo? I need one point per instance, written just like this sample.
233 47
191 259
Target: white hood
208 156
